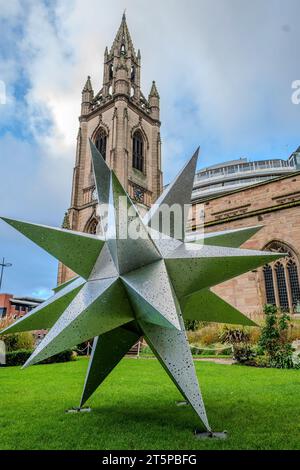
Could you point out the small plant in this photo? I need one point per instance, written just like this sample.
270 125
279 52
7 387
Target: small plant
191 325
240 342
274 341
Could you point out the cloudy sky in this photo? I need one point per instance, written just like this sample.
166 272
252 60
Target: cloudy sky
224 70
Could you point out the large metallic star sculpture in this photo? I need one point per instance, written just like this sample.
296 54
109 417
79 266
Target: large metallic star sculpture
133 286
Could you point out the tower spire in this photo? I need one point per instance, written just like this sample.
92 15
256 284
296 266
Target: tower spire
87 96
123 41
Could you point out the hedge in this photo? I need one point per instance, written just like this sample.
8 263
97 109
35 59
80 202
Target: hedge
19 357
226 351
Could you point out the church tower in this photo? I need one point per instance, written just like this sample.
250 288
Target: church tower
125 127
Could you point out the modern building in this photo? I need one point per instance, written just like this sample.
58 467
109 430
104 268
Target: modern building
237 174
125 127
14 307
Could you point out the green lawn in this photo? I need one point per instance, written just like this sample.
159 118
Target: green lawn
135 408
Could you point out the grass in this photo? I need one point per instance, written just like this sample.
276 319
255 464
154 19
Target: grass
135 408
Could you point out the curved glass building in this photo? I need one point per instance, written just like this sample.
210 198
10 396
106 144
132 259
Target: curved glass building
236 174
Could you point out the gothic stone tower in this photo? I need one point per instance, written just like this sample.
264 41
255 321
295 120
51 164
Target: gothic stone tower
125 128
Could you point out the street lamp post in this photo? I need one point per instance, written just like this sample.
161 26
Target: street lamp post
3 265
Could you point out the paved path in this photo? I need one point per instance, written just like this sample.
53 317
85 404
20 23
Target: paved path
216 360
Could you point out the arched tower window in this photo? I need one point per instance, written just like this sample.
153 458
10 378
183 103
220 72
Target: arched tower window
100 142
281 279
138 151
132 73
111 72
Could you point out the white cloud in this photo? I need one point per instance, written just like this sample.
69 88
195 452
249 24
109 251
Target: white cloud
9 10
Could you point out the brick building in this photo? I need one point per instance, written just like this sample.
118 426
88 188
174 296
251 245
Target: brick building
125 127
274 204
13 307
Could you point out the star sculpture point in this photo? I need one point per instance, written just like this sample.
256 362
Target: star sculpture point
135 280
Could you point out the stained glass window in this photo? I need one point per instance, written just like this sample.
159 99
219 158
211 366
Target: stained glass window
281 279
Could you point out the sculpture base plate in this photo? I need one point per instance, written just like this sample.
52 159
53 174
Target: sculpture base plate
77 409
210 435
182 403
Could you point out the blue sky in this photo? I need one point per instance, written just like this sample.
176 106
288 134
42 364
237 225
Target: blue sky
224 70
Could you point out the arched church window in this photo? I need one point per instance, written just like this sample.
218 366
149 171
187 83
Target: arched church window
269 285
100 142
282 286
281 279
123 50
138 151
294 282
92 226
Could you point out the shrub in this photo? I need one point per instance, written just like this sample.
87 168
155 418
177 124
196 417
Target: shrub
18 358
262 361
18 341
234 336
146 350
274 341
239 339
244 354
254 334
283 358
205 336
294 330
191 325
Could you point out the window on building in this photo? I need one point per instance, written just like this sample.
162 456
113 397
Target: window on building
133 73
2 312
281 279
269 285
92 226
138 151
282 286
294 281
111 72
100 142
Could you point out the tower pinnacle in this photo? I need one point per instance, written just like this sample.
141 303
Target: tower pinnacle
87 96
